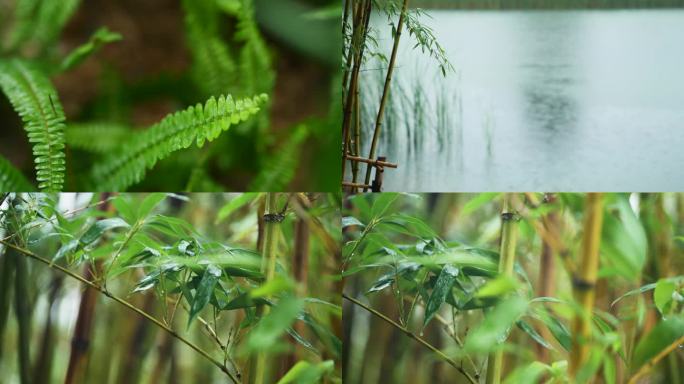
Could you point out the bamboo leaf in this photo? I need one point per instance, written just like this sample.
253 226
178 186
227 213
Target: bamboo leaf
306 373
527 328
495 327
382 203
661 336
442 287
148 204
235 204
499 286
662 295
349 221
274 324
100 227
204 291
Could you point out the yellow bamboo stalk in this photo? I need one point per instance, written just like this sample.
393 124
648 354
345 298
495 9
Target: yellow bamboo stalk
584 282
506 263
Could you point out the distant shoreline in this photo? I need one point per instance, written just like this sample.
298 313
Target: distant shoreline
547 4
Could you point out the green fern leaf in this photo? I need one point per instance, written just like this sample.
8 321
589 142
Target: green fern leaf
89 136
214 70
256 71
35 100
280 169
11 180
40 21
141 152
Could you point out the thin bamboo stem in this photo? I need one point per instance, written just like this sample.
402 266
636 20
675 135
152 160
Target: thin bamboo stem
23 313
6 285
126 304
584 282
386 90
415 337
506 263
655 360
270 258
361 34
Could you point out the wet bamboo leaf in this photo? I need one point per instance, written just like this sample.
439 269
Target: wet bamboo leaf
299 339
274 324
624 244
349 221
662 295
100 227
527 328
65 249
204 291
149 203
498 287
382 203
663 334
633 292
559 331
494 328
440 291
235 204
306 373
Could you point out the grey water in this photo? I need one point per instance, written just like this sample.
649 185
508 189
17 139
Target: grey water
539 101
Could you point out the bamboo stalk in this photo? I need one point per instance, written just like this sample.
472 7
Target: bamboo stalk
42 372
300 269
271 223
6 284
584 282
547 273
126 304
80 340
361 34
506 263
23 314
386 90
415 337
130 369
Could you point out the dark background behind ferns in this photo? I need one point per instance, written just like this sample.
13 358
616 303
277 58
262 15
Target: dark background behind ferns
146 76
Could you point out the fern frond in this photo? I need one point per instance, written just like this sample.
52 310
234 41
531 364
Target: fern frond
100 38
199 123
96 137
280 168
256 69
214 69
40 21
35 100
11 179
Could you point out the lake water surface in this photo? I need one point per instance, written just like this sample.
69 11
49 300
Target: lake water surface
541 100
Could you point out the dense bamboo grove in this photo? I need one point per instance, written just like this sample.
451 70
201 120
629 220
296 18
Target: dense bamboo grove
163 288
513 288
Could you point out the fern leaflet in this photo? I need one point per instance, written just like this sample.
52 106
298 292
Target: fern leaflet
35 100
11 180
141 152
96 137
213 68
280 168
40 21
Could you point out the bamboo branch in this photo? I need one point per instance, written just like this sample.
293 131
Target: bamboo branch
413 336
126 304
506 262
385 91
655 360
584 283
